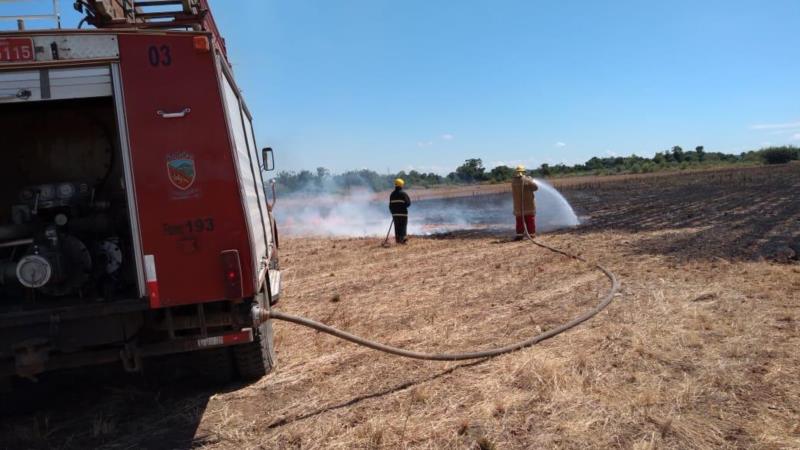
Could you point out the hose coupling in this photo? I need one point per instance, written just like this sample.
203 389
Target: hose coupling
259 315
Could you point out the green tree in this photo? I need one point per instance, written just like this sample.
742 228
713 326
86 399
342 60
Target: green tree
701 153
544 169
677 153
595 163
472 170
501 173
778 155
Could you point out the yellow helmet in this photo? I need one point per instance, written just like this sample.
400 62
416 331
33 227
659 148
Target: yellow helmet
399 182
520 168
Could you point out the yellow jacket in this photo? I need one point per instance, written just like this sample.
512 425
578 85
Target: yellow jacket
522 188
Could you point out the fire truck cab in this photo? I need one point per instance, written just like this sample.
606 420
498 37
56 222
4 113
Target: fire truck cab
134 220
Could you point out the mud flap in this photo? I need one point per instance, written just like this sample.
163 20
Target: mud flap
274 286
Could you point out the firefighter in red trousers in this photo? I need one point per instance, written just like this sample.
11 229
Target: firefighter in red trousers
522 188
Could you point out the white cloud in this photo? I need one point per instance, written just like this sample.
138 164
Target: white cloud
796 137
447 137
775 126
560 144
422 144
610 153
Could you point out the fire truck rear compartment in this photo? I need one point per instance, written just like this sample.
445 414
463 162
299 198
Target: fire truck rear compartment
65 229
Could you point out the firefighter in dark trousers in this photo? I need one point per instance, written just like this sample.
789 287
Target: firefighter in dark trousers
523 187
398 205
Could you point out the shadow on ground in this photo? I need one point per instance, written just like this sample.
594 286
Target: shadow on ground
377 394
103 407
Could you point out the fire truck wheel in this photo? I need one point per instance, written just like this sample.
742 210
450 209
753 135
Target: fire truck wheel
7 398
200 368
256 359
212 367
5 384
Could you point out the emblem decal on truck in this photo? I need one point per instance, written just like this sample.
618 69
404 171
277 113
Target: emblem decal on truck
181 170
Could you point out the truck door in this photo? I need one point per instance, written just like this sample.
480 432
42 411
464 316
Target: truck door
187 190
249 173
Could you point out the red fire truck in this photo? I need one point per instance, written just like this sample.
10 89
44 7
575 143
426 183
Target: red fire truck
134 221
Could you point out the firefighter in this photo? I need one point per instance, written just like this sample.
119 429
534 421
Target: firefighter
522 188
398 206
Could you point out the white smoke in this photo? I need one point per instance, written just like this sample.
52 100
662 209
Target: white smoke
362 213
353 214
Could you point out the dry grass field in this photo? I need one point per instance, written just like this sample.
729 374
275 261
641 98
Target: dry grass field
699 349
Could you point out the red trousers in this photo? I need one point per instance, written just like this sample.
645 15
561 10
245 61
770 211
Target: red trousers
529 221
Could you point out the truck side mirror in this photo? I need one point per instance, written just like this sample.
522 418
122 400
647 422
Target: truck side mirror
268 159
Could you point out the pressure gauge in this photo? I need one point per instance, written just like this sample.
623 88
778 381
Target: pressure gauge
34 271
47 192
66 191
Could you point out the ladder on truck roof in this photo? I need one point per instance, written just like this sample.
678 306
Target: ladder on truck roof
151 14
54 15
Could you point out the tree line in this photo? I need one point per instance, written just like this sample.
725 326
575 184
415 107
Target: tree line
473 170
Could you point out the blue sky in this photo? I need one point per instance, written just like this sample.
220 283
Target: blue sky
392 85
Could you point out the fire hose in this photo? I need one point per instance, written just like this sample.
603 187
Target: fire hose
261 315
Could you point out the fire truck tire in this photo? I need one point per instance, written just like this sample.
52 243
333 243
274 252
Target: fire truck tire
256 359
5 384
212 367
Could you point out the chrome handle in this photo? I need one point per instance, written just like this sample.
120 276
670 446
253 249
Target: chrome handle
174 115
274 195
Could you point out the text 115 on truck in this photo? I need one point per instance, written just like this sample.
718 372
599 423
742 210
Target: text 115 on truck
133 216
